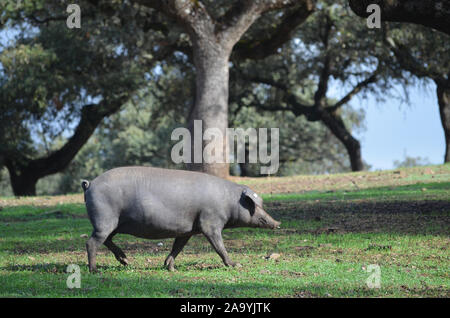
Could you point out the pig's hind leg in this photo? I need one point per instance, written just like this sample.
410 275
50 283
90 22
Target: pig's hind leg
178 245
117 251
92 245
103 225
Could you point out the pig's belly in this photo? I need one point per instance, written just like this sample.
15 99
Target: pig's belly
153 232
157 228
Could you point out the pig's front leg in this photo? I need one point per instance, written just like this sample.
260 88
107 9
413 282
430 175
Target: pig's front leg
214 237
178 245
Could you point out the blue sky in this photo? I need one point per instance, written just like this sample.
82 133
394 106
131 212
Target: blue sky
394 129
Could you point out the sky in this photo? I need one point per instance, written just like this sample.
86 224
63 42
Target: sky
394 129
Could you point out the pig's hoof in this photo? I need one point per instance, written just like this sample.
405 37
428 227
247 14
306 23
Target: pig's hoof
169 263
123 261
230 263
233 264
171 268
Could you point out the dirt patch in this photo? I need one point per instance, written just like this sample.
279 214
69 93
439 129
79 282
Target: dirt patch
203 266
42 201
346 181
305 294
414 217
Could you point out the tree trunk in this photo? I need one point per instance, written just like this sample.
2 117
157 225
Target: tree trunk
245 171
443 94
23 184
211 105
337 127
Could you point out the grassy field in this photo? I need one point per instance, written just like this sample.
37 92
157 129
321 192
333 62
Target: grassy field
333 228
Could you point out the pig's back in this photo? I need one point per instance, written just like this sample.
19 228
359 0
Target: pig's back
134 182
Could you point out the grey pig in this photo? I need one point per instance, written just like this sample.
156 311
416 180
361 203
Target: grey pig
156 203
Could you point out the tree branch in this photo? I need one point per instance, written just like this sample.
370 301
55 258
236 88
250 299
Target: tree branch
434 14
270 108
268 45
297 108
321 92
371 79
91 116
236 21
408 62
261 80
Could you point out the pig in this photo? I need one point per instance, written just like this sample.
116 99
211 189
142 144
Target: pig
155 203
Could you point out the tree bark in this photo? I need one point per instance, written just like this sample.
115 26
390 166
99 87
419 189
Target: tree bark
245 171
211 103
337 127
443 94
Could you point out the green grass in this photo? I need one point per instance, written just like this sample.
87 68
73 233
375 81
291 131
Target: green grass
327 240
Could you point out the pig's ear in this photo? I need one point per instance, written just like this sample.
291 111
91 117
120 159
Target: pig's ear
252 198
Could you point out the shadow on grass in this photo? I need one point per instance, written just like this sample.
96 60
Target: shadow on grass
430 217
54 268
45 215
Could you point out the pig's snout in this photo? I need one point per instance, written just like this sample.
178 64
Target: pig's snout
266 221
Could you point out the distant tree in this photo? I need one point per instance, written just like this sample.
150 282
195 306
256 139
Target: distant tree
423 53
430 13
330 49
408 162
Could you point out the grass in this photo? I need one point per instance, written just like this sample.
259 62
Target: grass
328 238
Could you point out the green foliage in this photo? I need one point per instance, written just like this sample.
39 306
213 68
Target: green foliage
422 51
